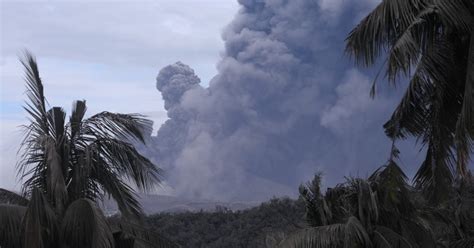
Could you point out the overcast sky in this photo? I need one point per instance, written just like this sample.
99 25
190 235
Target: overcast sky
107 52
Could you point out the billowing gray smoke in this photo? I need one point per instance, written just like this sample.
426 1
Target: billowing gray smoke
285 103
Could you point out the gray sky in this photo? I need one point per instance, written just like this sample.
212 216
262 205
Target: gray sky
107 52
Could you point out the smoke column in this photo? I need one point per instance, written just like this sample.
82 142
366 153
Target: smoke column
286 102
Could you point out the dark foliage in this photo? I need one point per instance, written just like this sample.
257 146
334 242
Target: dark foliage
262 226
430 43
384 211
68 167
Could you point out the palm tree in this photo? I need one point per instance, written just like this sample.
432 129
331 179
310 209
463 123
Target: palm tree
373 212
431 42
383 211
67 168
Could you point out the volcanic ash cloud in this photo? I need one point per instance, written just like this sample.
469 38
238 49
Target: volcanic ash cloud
285 103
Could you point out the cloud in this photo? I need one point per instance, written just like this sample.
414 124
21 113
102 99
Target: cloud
353 101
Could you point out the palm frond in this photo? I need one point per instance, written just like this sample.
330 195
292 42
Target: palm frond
125 160
40 223
78 111
393 197
412 229
113 185
412 42
317 209
84 225
79 181
385 236
435 175
36 106
56 122
10 225
455 14
380 28
120 126
434 71
465 127
350 234
37 130
367 209
55 177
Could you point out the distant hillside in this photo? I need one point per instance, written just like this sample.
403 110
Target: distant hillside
262 226
153 204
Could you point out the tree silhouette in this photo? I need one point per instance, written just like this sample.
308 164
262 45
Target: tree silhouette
67 168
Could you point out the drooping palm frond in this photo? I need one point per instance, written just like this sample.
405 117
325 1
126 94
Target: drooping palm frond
390 184
436 38
465 126
436 174
124 159
11 225
40 223
97 173
124 195
350 234
108 135
364 202
435 68
381 27
455 14
56 187
84 225
104 154
386 237
9 197
417 231
120 126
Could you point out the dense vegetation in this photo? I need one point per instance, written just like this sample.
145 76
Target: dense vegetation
364 212
384 211
262 226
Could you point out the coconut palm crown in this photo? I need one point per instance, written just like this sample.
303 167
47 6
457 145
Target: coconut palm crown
430 42
67 168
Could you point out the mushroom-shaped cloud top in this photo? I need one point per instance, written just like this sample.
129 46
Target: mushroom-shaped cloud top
173 81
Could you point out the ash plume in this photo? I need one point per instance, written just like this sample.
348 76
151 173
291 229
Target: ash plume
285 103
